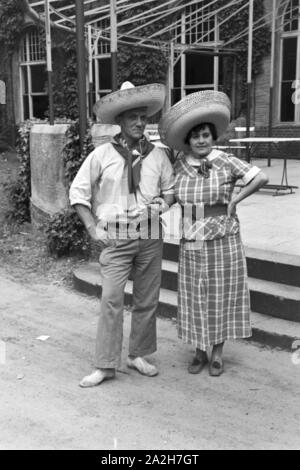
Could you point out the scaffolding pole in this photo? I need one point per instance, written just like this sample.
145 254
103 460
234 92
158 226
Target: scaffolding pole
49 61
90 42
81 70
272 72
249 75
170 77
114 44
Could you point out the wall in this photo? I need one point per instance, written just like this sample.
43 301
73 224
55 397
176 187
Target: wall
262 89
48 189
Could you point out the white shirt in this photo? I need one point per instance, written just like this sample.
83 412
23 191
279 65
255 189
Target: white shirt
101 183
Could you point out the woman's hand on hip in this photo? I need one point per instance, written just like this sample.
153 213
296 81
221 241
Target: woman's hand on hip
231 210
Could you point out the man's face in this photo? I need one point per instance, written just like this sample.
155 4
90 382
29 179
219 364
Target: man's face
133 123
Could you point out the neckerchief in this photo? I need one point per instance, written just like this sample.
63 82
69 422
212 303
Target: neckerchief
204 167
133 158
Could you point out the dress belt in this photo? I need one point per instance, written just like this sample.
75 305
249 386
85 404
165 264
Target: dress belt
209 211
215 210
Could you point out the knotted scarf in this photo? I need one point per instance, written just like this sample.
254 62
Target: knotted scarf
133 157
204 167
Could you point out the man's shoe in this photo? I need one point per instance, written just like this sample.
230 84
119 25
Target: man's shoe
216 368
197 364
142 366
97 377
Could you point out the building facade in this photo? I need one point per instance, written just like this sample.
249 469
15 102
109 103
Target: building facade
188 72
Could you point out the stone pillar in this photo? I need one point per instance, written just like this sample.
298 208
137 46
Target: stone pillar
49 192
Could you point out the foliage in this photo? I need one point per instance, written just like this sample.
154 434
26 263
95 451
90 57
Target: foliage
141 65
4 138
19 192
65 88
11 21
65 232
73 158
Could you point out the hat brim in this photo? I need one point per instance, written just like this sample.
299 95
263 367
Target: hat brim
152 97
181 118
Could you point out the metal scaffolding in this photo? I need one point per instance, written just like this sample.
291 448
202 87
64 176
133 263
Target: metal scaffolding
84 16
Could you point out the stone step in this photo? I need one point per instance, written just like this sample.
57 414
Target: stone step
266 265
268 331
274 299
273 266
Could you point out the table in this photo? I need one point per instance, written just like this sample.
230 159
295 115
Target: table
254 142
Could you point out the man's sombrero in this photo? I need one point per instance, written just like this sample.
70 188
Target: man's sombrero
202 107
151 97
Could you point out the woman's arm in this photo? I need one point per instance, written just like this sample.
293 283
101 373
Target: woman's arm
260 180
165 202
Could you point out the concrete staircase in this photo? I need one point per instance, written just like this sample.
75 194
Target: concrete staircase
274 281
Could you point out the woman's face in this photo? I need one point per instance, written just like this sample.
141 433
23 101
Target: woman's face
201 142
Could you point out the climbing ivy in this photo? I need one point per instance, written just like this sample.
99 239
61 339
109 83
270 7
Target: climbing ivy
65 86
137 64
142 65
19 191
73 157
11 22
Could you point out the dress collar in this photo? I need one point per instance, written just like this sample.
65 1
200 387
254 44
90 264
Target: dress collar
215 153
188 161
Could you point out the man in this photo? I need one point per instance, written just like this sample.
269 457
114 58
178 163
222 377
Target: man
119 192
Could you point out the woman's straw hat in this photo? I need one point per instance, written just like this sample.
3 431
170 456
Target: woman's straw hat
151 97
202 107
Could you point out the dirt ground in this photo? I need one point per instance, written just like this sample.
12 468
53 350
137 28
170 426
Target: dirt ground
22 249
254 405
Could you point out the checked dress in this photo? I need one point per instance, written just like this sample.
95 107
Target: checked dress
213 295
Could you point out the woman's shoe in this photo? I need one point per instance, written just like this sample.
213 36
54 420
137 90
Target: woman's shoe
197 364
216 368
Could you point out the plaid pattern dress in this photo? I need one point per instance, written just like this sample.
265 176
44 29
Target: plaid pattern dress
213 296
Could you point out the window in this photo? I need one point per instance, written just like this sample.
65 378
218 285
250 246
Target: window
290 68
33 76
192 71
101 63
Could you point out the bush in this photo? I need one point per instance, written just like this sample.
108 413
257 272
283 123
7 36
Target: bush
19 191
67 235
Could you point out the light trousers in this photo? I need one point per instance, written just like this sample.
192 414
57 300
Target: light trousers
145 257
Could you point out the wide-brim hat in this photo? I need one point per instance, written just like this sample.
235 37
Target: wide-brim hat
151 97
202 107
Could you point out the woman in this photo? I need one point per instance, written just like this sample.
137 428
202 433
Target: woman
213 297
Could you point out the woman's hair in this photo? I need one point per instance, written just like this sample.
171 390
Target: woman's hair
200 127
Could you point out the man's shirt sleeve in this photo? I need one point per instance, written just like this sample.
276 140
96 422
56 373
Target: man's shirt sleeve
87 176
167 177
